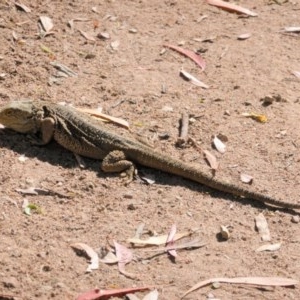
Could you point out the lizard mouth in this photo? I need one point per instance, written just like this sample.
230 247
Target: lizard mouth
25 126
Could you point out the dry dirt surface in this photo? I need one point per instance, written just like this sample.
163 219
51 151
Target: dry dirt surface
116 50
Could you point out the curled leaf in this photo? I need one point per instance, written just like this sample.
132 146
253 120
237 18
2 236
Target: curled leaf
191 54
244 36
220 146
256 117
94 263
193 79
269 247
124 256
269 281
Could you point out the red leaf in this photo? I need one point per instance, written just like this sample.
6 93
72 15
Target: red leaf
97 294
232 7
191 54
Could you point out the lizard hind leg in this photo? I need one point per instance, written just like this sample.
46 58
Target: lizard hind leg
115 161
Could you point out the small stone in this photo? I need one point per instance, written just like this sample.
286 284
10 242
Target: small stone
133 30
131 206
295 219
216 285
128 196
10 283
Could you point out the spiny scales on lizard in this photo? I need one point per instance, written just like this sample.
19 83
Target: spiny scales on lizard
78 133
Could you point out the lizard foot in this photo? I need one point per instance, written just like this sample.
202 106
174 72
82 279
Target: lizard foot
115 161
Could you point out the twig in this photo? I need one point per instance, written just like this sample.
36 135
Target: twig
183 137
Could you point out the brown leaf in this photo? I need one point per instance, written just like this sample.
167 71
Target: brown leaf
191 54
212 160
231 7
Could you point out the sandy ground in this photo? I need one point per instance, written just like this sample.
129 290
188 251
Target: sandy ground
130 75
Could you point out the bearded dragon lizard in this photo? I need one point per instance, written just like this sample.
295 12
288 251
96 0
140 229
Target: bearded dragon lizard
78 133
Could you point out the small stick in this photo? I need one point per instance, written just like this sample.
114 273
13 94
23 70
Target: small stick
183 137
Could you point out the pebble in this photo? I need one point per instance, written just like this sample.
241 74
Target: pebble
295 219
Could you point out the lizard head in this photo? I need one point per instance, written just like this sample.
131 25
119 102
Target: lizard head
19 116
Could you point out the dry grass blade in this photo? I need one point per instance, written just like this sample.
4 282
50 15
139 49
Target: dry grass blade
268 281
95 113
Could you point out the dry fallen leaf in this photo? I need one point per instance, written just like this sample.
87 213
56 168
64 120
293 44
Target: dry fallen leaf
296 73
193 79
103 35
269 247
191 54
109 258
170 241
23 7
124 256
212 160
153 295
87 36
292 29
98 114
245 178
232 7
47 23
97 294
71 22
269 281
162 239
262 227
256 117
220 146
94 263
244 36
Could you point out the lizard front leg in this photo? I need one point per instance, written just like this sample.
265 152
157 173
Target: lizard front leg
115 161
46 128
